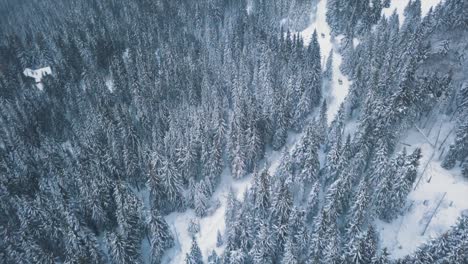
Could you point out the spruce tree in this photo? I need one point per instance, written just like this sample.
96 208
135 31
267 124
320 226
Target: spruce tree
195 255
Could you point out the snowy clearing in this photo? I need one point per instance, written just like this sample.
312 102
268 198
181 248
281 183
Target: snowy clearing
340 83
436 185
209 225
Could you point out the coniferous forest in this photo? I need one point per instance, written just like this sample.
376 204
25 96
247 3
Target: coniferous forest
212 131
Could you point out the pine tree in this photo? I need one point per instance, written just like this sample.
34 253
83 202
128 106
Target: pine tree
195 255
450 159
328 74
318 245
359 210
283 204
323 122
312 206
172 184
465 170
290 256
332 167
232 207
459 150
282 124
332 249
261 251
219 239
356 251
128 214
262 198
381 258
237 257
213 258
200 200
160 235
120 250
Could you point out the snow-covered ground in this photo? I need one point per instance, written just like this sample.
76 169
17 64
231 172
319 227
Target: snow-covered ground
209 225
399 6
403 235
340 83
110 84
37 75
427 4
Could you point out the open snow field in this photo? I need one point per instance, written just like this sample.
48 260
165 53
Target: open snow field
435 188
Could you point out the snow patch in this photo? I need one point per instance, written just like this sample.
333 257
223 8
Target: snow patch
37 75
249 7
283 22
426 5
399 7
110 84
356 42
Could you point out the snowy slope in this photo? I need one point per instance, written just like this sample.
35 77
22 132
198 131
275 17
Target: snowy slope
338 90
403 235
209 225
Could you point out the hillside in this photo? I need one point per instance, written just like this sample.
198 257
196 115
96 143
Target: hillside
220 131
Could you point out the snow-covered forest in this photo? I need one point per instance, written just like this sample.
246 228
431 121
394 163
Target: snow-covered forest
234 131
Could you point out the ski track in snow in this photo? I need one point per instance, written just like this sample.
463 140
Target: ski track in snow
340 83
404 235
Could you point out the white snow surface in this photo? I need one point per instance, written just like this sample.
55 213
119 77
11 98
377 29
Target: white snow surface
340 83
110 84
249 7
399 7
405 234
427 4
37 75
